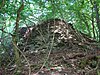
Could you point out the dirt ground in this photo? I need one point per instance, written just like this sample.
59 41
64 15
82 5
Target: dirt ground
75 54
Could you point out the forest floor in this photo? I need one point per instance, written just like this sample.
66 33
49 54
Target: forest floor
65 62
73 61
80 55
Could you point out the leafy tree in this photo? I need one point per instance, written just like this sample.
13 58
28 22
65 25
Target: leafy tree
83 14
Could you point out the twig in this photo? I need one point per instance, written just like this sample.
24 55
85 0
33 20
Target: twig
24 57
48 53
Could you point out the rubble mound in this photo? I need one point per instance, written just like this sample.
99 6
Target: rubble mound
53 32
54 47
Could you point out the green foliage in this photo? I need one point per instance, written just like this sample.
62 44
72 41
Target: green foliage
78 12
38 10
98 72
